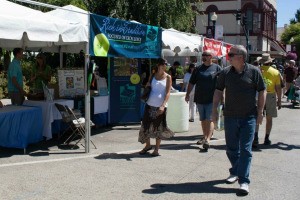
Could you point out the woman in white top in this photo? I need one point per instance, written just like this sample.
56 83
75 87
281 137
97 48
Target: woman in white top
154 124
186 81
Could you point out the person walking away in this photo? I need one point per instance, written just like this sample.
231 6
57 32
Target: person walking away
241 81
272 81
173 74
204 77
15 79
290 74
186 80
154 123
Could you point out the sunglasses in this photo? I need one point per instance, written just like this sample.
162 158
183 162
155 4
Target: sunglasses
205 55
233 54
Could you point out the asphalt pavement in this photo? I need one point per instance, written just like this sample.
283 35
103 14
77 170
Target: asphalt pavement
115 170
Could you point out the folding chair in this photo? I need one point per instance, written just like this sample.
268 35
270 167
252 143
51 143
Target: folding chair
78 124
66 118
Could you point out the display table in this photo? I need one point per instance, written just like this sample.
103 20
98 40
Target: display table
99 110
20 126
50 113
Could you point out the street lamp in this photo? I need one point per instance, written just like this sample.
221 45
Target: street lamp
214 18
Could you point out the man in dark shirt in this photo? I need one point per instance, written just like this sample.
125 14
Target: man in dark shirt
204 77
173 73
241 82
290 74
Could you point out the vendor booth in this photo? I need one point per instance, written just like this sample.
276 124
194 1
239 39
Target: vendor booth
37 31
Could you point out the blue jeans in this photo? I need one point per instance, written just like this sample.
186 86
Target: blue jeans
239 134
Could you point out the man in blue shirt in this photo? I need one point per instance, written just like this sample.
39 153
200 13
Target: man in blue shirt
15 78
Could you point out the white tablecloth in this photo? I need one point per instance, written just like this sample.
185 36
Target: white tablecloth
101 104
50 112
6 102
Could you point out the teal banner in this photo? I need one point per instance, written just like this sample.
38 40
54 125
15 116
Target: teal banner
111 37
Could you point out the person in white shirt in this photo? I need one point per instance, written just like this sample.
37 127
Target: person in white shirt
185 84
154 124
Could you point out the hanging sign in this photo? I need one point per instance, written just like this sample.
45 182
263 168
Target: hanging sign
214 46
111 37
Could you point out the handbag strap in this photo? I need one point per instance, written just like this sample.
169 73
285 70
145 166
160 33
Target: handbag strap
151 78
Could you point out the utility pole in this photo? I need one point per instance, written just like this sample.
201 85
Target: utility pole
243 21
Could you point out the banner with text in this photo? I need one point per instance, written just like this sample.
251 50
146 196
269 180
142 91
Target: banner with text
214 46
111 37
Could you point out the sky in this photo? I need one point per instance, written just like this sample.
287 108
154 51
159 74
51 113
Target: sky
286 10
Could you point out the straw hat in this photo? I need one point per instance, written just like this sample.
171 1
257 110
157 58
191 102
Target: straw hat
292 62
266 58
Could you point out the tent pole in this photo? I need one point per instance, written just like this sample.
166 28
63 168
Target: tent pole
61 58
87 95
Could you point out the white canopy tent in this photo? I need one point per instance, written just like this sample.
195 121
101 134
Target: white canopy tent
34 30
181 43
31 29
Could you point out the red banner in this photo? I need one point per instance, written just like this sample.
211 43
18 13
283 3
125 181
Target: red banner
228 47
214 46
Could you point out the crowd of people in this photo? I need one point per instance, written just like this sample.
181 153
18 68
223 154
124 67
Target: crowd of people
249 92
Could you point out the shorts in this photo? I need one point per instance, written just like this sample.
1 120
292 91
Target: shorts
271 105
205 111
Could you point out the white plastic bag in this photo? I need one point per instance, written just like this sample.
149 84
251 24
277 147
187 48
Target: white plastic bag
219 126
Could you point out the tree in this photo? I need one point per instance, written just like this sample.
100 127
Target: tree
78 3
176 14
292 31
297 17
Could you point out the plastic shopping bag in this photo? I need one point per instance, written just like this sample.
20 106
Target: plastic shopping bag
220 122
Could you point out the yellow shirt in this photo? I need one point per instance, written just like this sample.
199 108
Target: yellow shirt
271 78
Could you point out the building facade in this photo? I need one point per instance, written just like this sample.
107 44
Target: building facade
258 21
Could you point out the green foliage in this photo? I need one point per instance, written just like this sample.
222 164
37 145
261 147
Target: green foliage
180 71
78 3
292 31
297 17
176 14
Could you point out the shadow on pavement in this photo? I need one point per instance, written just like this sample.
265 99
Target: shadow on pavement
191 187
179 146
188 138
124 156
279 145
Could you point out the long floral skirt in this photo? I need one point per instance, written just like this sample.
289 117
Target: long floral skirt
153 125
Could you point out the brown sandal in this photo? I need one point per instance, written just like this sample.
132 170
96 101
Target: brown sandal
154 154
144 151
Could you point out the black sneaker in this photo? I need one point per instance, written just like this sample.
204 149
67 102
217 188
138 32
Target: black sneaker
255 143
267 142
206 145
